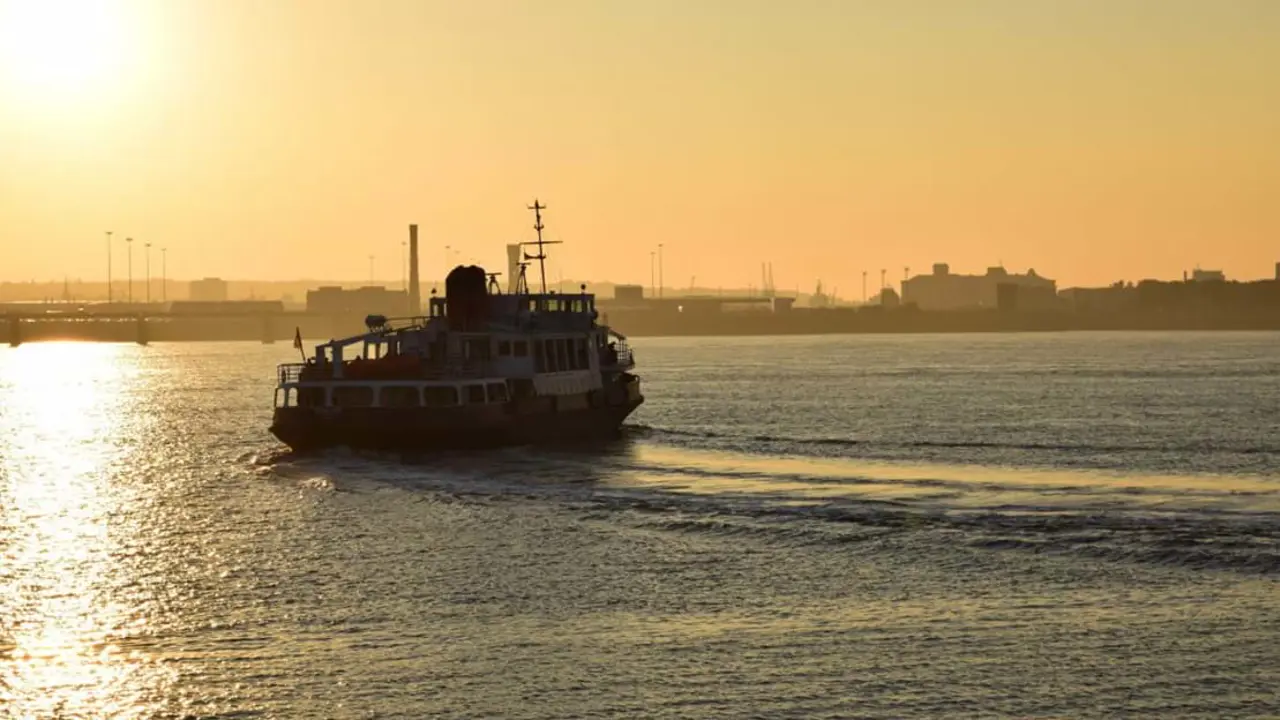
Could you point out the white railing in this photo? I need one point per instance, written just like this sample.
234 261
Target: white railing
291 372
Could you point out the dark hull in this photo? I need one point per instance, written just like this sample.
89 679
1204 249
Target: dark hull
464 427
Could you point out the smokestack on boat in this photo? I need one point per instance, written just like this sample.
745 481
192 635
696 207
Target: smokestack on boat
415 296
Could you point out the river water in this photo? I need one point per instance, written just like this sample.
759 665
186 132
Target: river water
884 527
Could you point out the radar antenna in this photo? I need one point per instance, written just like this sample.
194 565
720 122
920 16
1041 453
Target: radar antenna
494 287
522 283
541 257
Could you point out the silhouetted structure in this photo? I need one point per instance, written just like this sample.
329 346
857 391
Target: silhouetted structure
628 294
942 290
514 258
208 290
368 300
415 292
1199 275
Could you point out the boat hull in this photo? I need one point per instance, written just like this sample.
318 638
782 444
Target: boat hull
452 428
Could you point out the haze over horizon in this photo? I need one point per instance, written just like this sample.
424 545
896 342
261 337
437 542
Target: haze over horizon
1092 141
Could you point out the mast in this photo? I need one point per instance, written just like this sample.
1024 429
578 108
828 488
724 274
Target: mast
541 257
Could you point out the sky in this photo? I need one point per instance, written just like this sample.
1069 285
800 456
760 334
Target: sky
1091 140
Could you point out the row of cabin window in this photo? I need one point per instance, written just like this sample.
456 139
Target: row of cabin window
518 348
406 396
561 355
561 305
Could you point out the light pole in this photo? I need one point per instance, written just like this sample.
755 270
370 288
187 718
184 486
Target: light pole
660 283
128 242
109 267
147 248
653 283
404 266
164 275
864 287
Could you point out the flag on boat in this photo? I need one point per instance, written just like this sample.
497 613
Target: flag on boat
297 337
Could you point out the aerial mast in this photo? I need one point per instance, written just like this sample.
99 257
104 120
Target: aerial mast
541 257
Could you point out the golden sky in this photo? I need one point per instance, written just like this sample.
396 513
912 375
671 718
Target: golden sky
1090 139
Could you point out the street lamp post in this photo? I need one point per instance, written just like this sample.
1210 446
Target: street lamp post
128 242
660 282
404 266
653 283
147 247
109 267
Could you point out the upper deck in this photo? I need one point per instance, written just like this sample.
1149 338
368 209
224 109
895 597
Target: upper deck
550 312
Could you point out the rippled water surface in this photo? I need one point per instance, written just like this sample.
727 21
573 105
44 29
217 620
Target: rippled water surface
892 527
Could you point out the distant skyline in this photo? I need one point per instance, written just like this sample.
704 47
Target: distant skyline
1094 141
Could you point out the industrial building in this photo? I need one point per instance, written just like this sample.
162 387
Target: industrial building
368 300
208 290
628 295
943 290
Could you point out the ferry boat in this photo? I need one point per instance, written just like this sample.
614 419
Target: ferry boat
483 368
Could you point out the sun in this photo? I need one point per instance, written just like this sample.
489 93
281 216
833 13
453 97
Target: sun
61 49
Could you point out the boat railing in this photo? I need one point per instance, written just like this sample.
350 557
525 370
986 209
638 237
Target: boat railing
617 356
291 372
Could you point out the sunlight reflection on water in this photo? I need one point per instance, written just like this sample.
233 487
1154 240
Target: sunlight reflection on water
61 616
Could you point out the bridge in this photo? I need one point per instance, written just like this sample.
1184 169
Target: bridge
40 323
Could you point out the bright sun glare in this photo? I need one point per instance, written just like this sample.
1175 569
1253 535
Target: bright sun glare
55 50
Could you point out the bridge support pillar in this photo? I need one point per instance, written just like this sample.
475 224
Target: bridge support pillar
142 335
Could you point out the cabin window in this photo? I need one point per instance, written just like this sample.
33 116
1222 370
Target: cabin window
477 349
497 392
475 394
577 306
562 348
504 348
520 348
400 396
353 396
311 397
441 396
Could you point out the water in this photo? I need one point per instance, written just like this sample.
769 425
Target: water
897 527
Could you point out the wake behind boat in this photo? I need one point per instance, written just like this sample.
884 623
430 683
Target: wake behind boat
483 369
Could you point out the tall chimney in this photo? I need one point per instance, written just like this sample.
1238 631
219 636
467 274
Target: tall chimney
415 295
513 266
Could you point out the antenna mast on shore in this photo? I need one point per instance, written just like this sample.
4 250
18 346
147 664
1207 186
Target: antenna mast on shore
541 257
